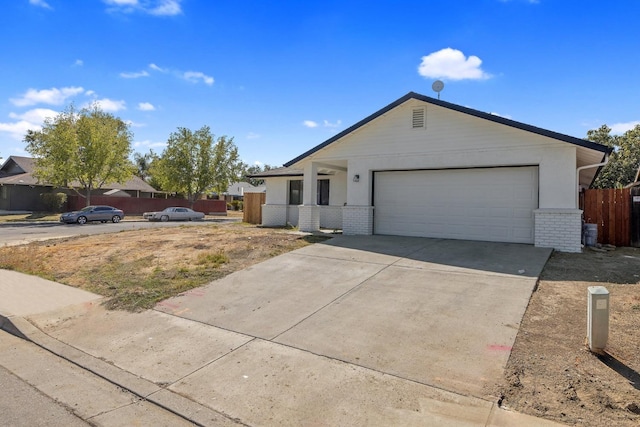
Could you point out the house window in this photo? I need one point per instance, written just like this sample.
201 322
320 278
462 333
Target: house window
295 192
323 191
417 118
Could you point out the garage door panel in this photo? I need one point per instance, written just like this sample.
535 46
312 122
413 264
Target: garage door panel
477 204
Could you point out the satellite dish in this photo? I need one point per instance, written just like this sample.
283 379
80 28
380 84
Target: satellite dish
437 86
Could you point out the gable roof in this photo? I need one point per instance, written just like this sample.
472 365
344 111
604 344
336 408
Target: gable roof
465 110
18 170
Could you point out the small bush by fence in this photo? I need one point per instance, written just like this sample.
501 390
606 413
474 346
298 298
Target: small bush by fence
54 202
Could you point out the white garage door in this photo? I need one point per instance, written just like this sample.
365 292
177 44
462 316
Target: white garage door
492 204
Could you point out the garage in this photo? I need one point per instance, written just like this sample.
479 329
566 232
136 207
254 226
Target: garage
489 204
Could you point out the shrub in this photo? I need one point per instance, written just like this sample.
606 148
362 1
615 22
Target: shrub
54 202
237 205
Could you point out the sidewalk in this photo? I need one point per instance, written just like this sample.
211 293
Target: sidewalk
213 376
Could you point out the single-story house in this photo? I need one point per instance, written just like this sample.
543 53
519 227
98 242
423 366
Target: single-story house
20 190
425 167
236 190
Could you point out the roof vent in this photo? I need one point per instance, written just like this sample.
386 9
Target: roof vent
417 118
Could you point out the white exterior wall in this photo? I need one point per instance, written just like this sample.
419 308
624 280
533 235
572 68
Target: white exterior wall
337 188
331 217
277 190
274 215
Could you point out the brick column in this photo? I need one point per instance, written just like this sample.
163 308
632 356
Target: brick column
309 218
357 220
560 229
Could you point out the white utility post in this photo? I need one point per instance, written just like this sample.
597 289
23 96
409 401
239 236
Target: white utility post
598 318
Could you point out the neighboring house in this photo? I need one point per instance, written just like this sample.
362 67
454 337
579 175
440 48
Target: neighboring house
425 167
20 190
236 190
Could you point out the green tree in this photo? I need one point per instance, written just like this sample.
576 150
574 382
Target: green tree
227 166
81 150
142 163
624 160
252 170
192 164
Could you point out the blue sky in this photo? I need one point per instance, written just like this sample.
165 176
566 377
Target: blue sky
283 76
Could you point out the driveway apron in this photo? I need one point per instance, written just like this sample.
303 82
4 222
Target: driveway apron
443 313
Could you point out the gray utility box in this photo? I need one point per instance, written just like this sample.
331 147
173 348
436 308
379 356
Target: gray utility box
598 318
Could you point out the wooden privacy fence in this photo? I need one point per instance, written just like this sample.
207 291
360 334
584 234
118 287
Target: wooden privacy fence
252 207
611 210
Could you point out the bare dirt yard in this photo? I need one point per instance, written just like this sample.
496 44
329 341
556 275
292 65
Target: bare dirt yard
550 373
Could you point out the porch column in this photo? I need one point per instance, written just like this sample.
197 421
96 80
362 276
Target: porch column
357 214
309 212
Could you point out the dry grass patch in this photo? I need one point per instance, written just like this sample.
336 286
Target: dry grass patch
137 269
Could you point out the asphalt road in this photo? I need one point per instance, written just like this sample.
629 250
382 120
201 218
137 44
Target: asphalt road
21 233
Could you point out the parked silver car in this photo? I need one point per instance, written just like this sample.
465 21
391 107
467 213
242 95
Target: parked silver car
174 214
93 213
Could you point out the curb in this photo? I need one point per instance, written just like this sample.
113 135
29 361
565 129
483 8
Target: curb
144 389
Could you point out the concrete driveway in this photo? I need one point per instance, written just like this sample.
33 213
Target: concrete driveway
371 330
441 313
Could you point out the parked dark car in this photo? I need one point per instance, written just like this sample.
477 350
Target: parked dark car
93 213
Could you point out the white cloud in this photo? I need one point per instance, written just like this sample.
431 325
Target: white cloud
166 8
40 3
620 128
190 76
252 135
195 76
53 96
156 68
78 63
328 124
17 130
146 144
258 163
110 105
37 115
31 119
310 124
134 124
134 75
151 7
146 106
90 93
453 65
